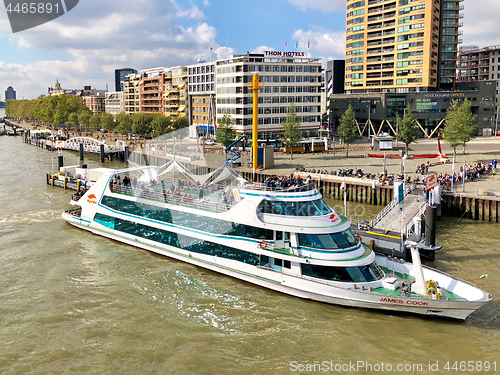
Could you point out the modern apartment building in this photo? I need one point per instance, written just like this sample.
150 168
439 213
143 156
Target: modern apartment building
151 87
201 97
131 93
480 64
120 76
401 45
175 89
288 77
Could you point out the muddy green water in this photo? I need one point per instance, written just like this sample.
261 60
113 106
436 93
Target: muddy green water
75 303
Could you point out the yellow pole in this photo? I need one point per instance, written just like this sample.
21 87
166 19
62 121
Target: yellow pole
255 87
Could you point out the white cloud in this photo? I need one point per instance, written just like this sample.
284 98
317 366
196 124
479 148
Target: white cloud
323 42
481 24
323 5
140 34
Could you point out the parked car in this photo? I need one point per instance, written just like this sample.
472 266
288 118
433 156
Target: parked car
209 142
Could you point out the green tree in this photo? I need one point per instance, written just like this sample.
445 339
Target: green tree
84 118
460 125
407 129
324 121
95 121
292 135
73 119
347 130
141 123
160 125
226 131
123 123
107 121
469 122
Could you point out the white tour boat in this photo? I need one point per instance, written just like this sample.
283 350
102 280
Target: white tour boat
286 240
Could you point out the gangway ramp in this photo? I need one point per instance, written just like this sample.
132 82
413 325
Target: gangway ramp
398 216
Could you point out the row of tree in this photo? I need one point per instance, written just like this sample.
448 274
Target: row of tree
460 126
70 110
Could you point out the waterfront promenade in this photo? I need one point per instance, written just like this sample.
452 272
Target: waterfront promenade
480 149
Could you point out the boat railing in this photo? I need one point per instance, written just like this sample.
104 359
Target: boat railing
409 189
207 203
291 189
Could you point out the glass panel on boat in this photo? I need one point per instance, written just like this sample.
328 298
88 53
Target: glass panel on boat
328 241
366 273
177 240
349 237
186 220
310 208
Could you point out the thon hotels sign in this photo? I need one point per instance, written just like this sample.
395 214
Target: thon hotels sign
25 14
284 54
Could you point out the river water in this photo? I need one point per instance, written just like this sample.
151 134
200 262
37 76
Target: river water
73 302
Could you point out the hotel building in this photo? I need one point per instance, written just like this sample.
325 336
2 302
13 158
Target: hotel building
401 45
288 77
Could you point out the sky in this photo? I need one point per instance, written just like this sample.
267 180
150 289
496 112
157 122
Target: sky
86 45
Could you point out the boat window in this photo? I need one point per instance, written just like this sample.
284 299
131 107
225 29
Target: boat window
287 264
278 262
264 260
310 240
279 236
363 274
327 241
287 236
349 237
177 240
310 208
340 240
187 220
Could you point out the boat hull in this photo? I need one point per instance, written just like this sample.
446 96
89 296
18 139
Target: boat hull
295 285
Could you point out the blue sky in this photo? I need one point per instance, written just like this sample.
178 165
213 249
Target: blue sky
84 46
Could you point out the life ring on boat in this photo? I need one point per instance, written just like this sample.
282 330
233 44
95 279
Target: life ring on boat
256 186
358 237
262 244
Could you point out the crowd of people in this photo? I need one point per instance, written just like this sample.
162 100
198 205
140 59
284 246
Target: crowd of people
471 172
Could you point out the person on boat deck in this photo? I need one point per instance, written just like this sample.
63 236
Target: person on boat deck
200 194
308 180
177 191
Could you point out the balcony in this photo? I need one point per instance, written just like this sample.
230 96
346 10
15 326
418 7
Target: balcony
389 32
373 27
374 51
374 35
374 18
375 10
375 43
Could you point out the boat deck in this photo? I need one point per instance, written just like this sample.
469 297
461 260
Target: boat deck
447 295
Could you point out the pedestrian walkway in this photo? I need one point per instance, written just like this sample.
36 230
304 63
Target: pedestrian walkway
400 215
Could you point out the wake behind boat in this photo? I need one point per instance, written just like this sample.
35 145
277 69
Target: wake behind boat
287 239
